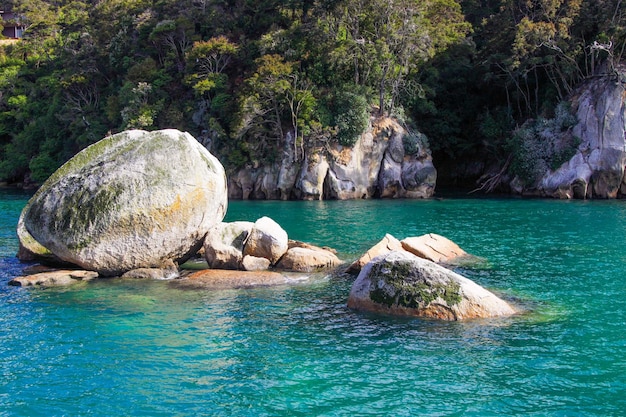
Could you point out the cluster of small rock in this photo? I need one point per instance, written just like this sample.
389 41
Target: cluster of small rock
256 246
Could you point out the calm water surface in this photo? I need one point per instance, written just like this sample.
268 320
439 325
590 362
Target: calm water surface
142 348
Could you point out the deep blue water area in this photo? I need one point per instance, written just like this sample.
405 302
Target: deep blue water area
113 347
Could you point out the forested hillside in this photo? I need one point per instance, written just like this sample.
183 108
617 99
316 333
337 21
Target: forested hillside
240 74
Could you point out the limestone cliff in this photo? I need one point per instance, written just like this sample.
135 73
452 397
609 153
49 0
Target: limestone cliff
385 162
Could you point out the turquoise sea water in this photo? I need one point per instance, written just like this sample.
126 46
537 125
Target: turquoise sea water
114 348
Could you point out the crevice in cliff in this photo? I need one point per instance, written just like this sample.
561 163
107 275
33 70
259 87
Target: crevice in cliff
327 189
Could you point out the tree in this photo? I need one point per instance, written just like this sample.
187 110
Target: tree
207 61
386 40
276 96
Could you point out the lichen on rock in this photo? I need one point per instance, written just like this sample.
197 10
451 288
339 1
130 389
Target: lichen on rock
401 283
132 200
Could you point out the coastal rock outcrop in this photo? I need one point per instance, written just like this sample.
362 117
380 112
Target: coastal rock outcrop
386 161
133 200
597 168
400 283
434 247
386 245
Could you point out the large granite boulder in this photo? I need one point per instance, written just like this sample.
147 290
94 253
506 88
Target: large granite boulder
223 245
266 240
132 200
401 283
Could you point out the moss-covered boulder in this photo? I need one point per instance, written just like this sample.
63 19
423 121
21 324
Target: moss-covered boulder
401 283
31 250
132 200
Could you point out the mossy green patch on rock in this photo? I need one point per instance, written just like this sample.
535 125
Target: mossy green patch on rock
403 284
399 284
132 200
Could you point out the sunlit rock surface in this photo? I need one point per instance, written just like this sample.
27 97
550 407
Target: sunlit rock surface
400 283
132 200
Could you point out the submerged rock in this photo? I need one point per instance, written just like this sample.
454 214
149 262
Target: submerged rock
215 279
54 278
132 200
165 273
401 283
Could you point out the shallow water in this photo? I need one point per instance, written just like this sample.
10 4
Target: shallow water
143 348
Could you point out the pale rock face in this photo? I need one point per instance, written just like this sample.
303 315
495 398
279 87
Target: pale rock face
400 283
310 184
390 176
266 240
419 178
223 245
132 200
376 166
597 169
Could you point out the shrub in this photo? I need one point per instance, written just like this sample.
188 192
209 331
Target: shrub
352 114
543 144
414 142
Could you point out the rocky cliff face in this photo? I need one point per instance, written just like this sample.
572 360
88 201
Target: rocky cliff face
598 166
380 164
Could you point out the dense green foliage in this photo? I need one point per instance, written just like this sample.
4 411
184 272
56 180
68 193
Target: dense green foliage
241 75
